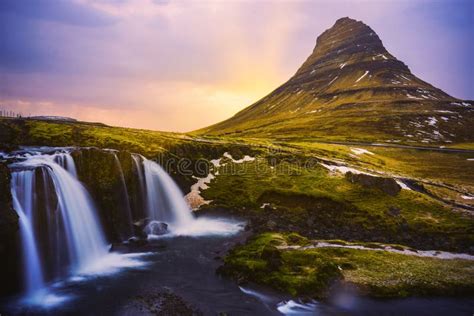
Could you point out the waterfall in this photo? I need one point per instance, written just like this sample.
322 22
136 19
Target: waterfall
126 199
65 160
75 216
22 194
164 200
137 162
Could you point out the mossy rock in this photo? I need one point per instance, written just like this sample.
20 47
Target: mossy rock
10 262
387 185
272 256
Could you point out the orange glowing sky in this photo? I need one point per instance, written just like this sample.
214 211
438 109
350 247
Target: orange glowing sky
183 65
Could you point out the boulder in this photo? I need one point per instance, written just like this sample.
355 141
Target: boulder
387 185
156 228
272 256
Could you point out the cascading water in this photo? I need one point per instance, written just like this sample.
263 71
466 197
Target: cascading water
74 213
22 194
65 160
165 203
126 199
164 200
137 162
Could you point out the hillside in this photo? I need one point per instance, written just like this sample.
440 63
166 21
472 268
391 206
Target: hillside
352 88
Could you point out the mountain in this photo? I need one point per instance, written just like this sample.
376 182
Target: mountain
352 88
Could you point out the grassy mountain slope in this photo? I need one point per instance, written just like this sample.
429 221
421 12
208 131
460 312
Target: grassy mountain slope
302 198
352 88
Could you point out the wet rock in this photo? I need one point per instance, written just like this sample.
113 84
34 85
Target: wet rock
387 185
10 262
156 228
139 228
135 241
160 303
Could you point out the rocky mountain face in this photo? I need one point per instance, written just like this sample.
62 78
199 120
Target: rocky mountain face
352 88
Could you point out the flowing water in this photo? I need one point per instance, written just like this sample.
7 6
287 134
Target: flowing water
33 274
65 224
126 199
165 203
164 200
87 279
186 266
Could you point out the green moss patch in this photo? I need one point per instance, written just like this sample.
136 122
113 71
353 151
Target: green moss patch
311 272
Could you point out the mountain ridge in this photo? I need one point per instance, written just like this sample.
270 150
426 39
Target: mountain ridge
350 74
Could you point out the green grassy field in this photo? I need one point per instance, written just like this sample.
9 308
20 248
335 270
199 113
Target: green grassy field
311 272
285 189
317 203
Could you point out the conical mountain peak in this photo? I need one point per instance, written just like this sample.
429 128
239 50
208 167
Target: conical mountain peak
351 85
347 39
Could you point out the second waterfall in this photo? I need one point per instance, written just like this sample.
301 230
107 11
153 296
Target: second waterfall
164 202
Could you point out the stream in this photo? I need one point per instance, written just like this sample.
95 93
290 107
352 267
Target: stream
68 266
185 266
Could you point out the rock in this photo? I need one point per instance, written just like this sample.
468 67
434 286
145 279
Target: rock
139 228
135 241
387 185
10 263
156 228
272 255
268 207
159 302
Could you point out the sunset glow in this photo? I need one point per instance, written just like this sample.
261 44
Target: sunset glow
183 65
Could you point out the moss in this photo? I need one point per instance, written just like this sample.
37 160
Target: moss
9 238
311 272
315 204
98 170
262 262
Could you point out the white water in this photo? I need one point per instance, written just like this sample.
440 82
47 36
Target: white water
83 232
141 180
164 200
85 239
23 200
75 224
287 307
65 160
62 239
126 199
297 308
165 203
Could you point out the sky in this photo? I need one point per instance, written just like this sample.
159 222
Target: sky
182 65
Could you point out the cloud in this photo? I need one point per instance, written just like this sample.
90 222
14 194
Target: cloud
67 12
180 65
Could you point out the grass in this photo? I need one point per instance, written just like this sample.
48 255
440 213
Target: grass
316 204
28 132
451 168
308 200
311 272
